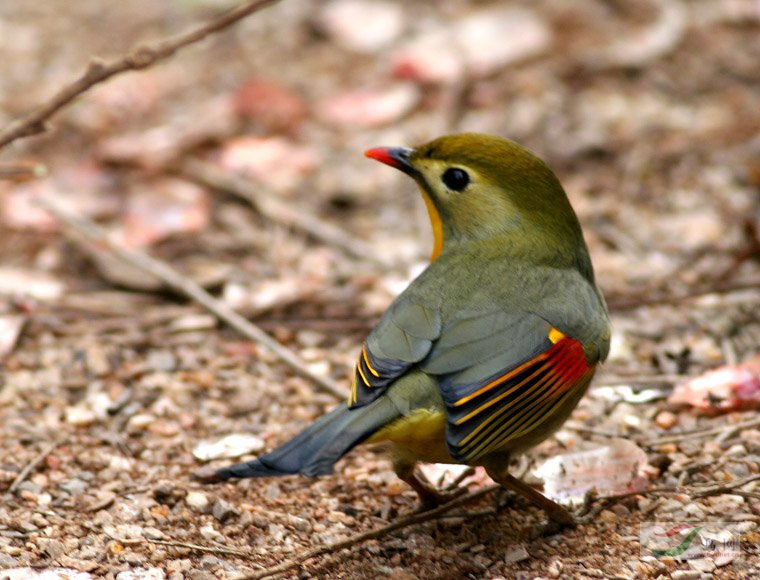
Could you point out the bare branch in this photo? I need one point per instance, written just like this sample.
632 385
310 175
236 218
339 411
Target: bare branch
371 535
93 235
139 58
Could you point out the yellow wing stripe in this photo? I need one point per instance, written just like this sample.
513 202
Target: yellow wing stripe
533 389
495 400
554 336
496 382
363 376
477 446
366 361
530 421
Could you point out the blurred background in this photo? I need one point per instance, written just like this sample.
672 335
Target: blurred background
239 161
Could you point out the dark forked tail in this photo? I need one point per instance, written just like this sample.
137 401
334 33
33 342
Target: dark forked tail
315 450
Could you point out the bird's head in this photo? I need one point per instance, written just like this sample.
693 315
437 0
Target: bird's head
482 187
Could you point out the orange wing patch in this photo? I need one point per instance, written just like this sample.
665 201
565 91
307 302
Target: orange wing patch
520 400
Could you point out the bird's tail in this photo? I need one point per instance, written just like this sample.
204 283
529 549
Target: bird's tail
316 449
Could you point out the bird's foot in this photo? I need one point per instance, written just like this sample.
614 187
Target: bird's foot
430 496
433 497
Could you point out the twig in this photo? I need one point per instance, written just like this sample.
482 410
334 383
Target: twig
182 285
199 548
696 434
725 487
39 458
371 535
619 303
273 208
617 380
139 58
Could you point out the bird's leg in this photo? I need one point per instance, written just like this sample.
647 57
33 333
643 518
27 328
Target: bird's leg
430 496
557 513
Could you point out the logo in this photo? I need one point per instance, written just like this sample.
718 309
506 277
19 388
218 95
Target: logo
719 541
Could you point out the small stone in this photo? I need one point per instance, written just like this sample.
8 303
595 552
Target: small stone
272 491
161 360
228 447
53 548
666 420
80 416
152 533
30 487
516 554
209 533
555 569
74 486
704 565
686 575
737 450
198 501
223 510
608 516
142 574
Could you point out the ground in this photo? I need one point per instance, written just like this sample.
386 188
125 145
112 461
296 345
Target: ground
649 112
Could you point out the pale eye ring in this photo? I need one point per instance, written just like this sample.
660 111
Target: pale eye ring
455 179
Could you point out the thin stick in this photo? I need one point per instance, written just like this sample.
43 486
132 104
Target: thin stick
39 458
619 303
182 285
279 211
139 58
725 487
696 434
199 548
371 535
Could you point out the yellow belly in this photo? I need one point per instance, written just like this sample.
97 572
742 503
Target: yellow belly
420 435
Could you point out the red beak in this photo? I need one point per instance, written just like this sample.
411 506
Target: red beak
397 157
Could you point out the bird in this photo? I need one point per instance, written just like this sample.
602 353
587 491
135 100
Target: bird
488 351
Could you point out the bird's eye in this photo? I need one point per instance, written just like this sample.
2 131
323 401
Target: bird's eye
455 179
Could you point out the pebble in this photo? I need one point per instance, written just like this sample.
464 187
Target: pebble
198 501
516 554
152 533
209 533
223 510
686 575
53 548
74 486
666 420
608 516
704 565
142 574
555 569
80 416
228 447
161 360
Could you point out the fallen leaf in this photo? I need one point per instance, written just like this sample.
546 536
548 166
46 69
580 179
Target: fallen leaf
722 390
619 467
381 23
370 107
10 329
274 161
269 104
163 208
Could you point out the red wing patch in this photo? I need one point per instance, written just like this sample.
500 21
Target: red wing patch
517 402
